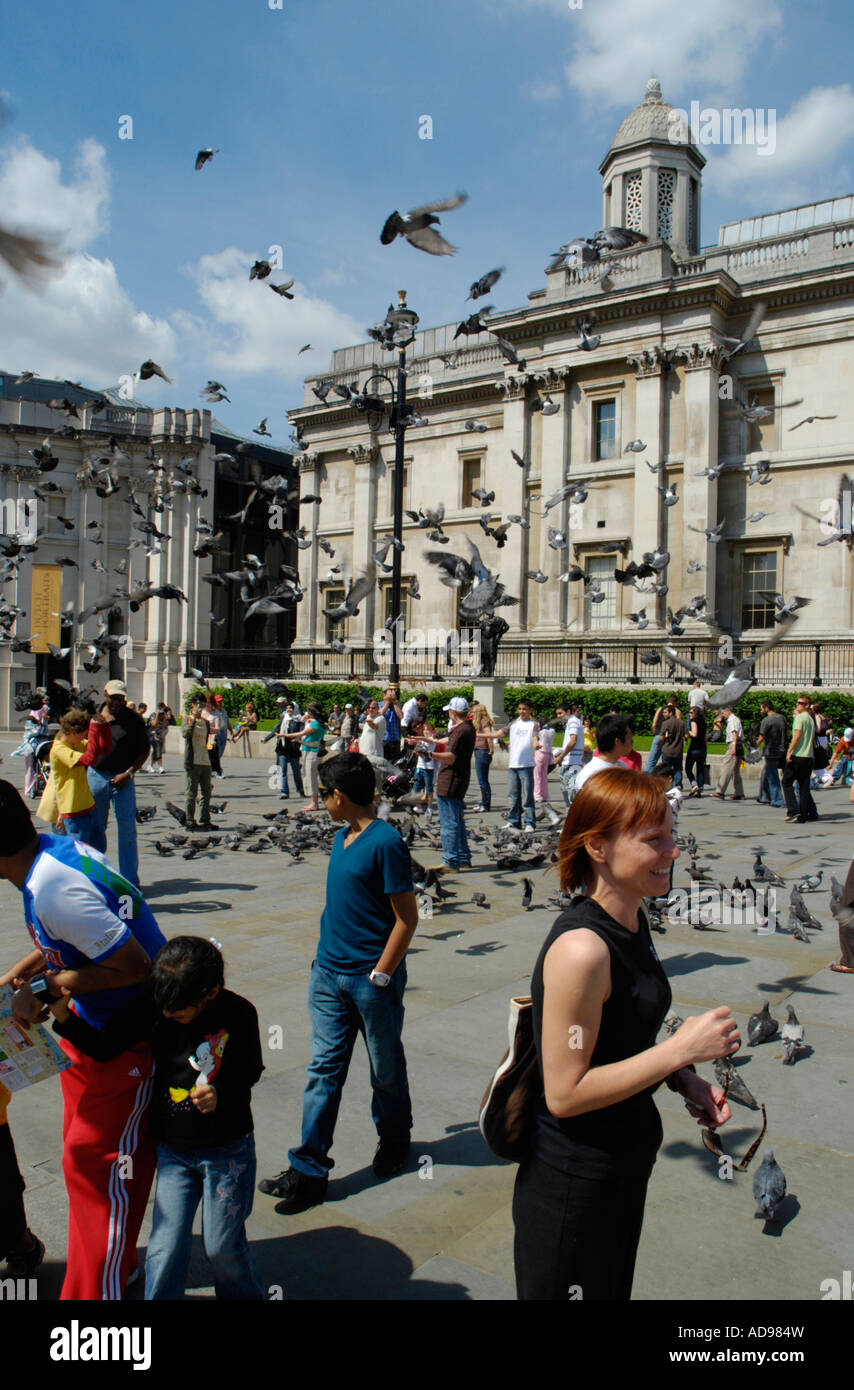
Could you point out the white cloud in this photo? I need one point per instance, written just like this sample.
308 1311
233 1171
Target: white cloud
805 150
82 324
541 91
620 42
34 198
258 332
78 323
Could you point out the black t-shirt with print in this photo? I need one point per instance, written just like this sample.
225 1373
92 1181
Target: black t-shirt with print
224 1041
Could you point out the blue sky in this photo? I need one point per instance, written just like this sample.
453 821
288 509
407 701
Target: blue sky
316 108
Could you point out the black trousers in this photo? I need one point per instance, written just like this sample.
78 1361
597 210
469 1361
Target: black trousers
695 766
798 770
575 1237
13 1220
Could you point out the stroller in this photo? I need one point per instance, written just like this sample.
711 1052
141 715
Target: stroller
36 744
41 761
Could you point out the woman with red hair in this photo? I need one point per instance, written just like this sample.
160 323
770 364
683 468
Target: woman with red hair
600 996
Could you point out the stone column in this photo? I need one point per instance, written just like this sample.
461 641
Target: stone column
364 531
700 495
510 493
307 560
553 469
647 527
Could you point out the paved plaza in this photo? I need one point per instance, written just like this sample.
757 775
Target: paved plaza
443 1229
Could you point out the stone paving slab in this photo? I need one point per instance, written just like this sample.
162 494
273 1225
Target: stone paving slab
450 1237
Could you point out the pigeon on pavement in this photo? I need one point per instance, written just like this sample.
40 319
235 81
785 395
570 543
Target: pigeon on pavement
769 1186
761 1027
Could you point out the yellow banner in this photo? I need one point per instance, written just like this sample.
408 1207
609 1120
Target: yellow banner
45 599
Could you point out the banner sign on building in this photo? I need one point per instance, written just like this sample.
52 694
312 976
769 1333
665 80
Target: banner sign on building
45 599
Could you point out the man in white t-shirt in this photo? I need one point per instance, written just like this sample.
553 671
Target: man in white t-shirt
614 740
697 697
414 712
520 775
570 760
730 767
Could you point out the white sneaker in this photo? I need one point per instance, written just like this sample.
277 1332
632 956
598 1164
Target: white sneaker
528 830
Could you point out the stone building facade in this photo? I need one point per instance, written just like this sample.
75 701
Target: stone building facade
163 633
662 373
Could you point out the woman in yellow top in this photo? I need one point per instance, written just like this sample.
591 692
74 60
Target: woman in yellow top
67 798
589 738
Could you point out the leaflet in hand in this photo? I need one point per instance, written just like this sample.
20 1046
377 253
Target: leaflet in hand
28 1053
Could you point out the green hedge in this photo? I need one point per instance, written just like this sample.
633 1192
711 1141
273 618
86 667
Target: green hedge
326 695
641 702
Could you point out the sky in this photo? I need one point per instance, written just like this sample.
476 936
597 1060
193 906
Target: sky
316 109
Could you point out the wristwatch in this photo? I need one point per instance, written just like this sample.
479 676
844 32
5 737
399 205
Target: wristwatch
380 979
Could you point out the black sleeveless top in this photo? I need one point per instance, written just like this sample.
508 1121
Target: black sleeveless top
620 1139
698 744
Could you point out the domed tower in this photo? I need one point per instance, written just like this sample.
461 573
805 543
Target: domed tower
652 173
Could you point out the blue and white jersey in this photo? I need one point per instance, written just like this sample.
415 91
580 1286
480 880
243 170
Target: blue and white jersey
79 910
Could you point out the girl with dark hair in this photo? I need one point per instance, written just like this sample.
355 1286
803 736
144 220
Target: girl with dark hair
600 996
207 1058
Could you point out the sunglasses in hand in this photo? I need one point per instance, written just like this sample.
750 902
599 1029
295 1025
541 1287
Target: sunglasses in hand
712 1140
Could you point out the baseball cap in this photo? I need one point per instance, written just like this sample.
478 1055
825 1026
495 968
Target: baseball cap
280 700
217 699
348 706
849 733
457 703
115 688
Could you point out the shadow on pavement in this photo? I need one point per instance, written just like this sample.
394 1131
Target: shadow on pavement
332 1262
684 964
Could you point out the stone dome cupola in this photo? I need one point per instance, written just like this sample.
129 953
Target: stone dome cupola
652 174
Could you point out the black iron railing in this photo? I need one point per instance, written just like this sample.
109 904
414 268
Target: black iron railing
791 664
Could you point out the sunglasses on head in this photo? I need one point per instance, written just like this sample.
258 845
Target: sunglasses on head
712 1141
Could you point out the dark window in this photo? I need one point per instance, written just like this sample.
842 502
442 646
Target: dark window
604 428
758 572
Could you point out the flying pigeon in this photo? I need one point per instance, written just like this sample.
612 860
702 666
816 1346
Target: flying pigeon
419 226
150 369
729 1078
203 156
484 284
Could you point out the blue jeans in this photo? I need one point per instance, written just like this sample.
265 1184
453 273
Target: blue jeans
452 828
86 826
124 805
654 753
482 760
223 1180
769 783
520 784
340 1007
293 764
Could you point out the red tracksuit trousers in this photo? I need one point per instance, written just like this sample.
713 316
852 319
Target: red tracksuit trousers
108 1161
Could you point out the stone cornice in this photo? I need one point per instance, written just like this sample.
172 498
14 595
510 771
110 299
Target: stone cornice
308 462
